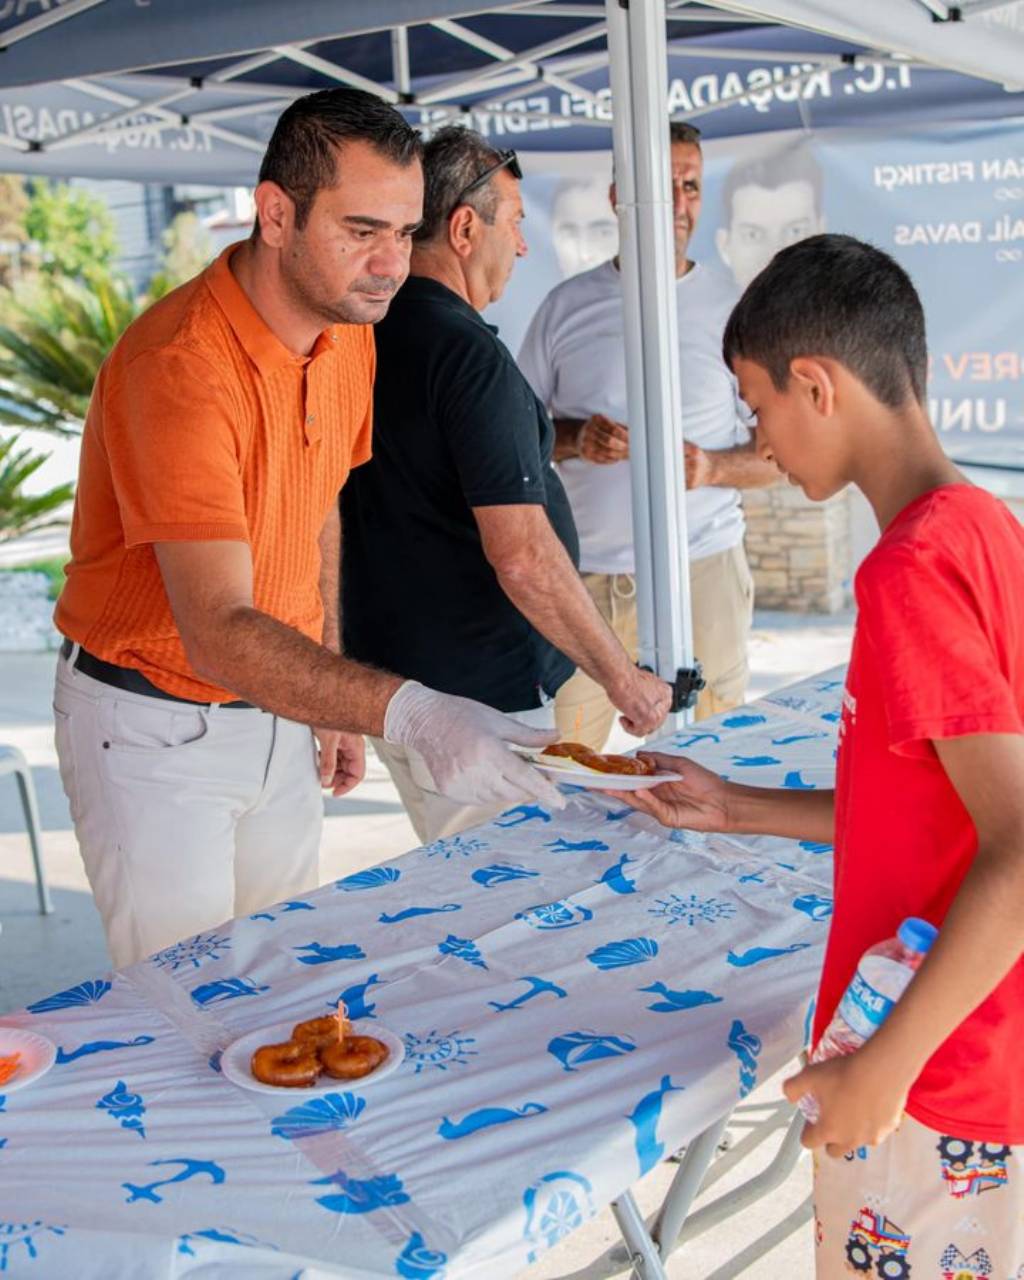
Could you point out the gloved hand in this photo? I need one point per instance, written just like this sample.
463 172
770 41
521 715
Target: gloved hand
462 744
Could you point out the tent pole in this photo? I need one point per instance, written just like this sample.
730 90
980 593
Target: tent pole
639 79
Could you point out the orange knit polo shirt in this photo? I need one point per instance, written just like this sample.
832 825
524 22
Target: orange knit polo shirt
204 426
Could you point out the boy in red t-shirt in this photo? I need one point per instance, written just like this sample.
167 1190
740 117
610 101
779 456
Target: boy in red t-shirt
925 1123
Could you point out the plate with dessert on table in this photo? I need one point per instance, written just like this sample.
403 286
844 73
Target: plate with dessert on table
580 766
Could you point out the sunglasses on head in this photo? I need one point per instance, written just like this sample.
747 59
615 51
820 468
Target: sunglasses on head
506 160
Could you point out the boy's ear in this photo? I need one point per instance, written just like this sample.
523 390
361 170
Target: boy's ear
815 380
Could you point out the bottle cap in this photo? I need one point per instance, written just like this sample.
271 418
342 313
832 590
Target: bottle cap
917 934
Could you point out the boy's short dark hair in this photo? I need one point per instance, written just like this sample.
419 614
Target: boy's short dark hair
834 296
301 156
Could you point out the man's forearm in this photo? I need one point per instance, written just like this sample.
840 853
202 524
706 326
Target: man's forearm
567 432
550 593
774 811
330 579
740 468
282 671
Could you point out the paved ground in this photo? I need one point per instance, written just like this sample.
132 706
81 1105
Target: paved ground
39 955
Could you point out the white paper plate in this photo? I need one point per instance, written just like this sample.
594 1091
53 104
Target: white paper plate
577 775
37 1056
234 1062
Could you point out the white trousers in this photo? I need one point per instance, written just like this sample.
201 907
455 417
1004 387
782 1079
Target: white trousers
185 815
433 815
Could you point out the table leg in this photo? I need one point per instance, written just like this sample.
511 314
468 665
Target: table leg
646 1262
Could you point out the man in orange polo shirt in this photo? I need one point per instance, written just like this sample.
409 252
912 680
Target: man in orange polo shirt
200 611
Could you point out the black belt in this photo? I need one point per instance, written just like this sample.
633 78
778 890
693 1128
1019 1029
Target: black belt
129 679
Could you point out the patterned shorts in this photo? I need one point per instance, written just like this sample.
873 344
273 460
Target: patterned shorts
924 1205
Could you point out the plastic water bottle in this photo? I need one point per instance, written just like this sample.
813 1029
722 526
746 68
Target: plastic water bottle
882 976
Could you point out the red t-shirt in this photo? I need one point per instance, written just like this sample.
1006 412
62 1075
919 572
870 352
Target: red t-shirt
938 653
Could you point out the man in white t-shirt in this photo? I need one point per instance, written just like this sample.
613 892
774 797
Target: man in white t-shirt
574 357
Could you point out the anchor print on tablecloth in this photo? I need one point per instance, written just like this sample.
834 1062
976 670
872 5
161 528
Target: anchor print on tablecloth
462 949
555 915
615 878
747 1048
576 1048
329 1114
538 986
221 1235
520 813
756 955
684 740
354 998
623 953
24 1235
373 878
486 1118
357 1195
455 846
644 1118
577 846
678 1001
83 994
125 1107
99 1046
410 913
814 905
192 951
417 1262
189 1169
225 989
555 1205
317 953
502 873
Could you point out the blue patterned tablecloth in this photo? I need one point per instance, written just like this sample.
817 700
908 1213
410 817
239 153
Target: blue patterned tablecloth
579 993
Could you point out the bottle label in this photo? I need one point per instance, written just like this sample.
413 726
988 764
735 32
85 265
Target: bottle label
863 1008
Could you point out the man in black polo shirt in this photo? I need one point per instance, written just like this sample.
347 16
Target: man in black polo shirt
459 548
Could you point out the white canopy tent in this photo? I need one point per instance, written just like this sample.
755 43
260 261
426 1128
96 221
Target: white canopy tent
221 74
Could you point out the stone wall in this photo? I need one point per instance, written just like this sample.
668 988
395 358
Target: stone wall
799 550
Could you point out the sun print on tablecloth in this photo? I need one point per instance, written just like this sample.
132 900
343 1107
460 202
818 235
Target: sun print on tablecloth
692 910
437 1049
192 951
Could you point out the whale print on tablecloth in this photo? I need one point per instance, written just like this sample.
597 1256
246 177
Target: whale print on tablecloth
317 953
622 954
644 1118
577 846
85 993
796 737
745 720
813 905
754 762
678 1001
417 1262
284 908
538 986
793 781
521 813
502 873
815 846
125 1107
225 989
356 1195
576 1048
189 1169
373 878
486 1118
221 1235
615 878
411 912
755 955
354 998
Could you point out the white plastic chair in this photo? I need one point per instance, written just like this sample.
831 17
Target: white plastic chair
12 761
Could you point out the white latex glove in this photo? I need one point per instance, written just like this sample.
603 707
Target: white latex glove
462 744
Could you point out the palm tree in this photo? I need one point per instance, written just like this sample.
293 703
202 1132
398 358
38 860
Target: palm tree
54 335
19 513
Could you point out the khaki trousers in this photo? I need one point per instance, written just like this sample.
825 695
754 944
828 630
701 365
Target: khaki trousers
434 816
185 815
722 603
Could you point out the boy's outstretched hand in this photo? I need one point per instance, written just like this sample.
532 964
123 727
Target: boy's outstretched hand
860 1102
697 802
